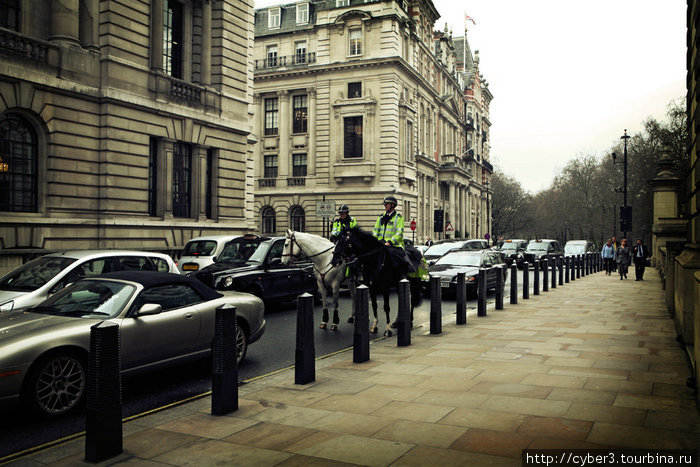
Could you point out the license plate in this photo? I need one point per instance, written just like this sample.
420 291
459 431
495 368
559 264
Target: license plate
445 285
190 267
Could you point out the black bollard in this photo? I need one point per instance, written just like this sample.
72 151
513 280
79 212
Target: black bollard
554 273
578 266
513 284
572 272
305 357
566 269
103 414
526 280
499 287
403 320
435 305
545 275
224 384
590 264
360 336
461 298
536 274
585 265
481 293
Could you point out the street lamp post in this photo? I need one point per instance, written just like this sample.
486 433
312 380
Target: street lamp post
488 214
625 211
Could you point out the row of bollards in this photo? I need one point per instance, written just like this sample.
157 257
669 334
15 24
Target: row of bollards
103 434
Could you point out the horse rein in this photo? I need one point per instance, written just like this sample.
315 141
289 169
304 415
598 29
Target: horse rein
291 254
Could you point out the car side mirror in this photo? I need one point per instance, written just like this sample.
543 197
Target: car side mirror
214 259
275 261
149 309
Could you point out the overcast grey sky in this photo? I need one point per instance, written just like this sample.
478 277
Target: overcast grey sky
568 77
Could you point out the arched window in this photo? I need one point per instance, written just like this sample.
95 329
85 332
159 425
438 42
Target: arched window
18 165
269 220
297 219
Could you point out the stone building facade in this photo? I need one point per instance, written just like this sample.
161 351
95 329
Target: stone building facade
358 100
123 124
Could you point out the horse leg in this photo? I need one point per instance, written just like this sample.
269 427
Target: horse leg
387 309
373 297
336 291
353 289
324 297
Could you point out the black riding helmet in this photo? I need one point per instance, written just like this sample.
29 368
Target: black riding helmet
344 209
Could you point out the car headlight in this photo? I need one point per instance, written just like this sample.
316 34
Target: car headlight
7 306
228 282
471 279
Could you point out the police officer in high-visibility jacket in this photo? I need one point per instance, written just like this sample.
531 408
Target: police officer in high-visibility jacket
389 226
345 221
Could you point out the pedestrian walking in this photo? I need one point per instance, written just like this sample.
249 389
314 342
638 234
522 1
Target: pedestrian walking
429 242
639 255
623 258
615 246
608 255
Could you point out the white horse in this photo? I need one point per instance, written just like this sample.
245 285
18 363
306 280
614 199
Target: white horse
319 251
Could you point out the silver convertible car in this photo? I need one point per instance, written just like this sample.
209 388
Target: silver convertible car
164 319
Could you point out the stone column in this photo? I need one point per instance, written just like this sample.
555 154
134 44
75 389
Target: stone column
311 119
206 43
65 22
283 121
168 147
89 23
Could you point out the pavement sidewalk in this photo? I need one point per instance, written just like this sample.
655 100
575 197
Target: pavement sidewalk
593 364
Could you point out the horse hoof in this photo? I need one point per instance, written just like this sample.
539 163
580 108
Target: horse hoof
394 325
323 326
351 320
388 333
373 329
334 327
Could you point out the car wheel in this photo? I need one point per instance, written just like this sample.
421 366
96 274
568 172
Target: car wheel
56 384
241 341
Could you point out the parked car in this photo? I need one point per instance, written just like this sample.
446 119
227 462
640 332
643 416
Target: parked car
441 247
469 262
578 247
514 251
163 319
253 264
475 244
542 249
201 251
35 281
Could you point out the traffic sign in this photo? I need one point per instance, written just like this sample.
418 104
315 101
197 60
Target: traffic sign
449 227
325 208
413 225
487 236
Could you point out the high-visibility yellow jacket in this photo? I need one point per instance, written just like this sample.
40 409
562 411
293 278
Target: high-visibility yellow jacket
389 228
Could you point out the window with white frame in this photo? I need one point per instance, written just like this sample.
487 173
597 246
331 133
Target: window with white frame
355 44
302 13
342 2
271 55
273 18
300 52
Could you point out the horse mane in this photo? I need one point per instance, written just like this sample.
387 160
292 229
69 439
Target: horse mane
364 236
319 243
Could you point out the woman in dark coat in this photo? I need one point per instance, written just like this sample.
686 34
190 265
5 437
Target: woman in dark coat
623 258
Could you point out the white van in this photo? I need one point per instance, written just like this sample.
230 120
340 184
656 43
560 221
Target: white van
201 251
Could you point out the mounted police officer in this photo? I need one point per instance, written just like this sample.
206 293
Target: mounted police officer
389 226
345 221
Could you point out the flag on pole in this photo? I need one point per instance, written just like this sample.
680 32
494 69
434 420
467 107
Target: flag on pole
469 18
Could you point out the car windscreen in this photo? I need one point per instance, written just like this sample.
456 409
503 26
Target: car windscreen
440 249
574 249
88 299
35 274
241 250
200 248
509 246
460 259
539 246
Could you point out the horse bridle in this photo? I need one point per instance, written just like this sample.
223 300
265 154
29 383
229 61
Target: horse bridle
293 241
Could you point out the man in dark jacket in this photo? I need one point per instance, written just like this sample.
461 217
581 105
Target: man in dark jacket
640 253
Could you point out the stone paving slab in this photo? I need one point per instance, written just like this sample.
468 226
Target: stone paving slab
591 364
